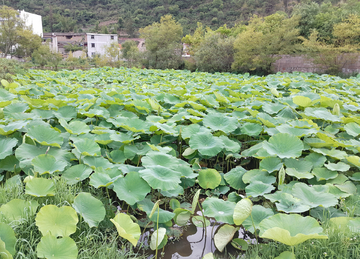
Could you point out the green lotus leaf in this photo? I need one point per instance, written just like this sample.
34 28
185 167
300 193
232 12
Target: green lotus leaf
208 256
131 188
324 214
321 113
45 136
342 167
96 162
234 178
352 129
219 209
284 145
324 174
19 210
271 164
340 179
257 188
66 112
102 179
223 236
258 175
90 208
127 228
299 132
97 111
57 248
179 190
289 204
40 187
6 147
75 127
316 159
15 108
47 164
11 164
76 173
147 206
135 125
195 201
7 236
302 101
206 144
336 191
125 138
156 238
56 221
218 121
347 187
334 153
230 145
313 198
159 177
3 252
281 228
87 147
355 177
209 178
273 108
258 214
242 211
251 129
297 174
355 160
174 204
11 127
286 255
182 216
188 131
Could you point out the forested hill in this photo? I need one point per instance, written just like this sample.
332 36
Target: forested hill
129 15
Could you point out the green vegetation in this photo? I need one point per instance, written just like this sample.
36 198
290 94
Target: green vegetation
90 160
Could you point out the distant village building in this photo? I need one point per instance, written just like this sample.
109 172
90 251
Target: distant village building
34 21
96 43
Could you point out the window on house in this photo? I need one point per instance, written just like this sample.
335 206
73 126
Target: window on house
93 45
68 37
92 37
112 37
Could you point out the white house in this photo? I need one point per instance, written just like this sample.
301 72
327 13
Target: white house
33 21
96 43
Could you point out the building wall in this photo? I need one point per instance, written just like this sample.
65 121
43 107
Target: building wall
34 21
96 43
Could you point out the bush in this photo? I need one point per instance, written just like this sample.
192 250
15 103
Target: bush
9 67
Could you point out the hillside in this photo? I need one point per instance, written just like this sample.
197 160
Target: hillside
70 15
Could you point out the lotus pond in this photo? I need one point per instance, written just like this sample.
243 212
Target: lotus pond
132 159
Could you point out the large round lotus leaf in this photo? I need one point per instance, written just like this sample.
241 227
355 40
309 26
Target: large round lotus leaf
6 147
251 129
271 164
131 188
57 248
123 137
96 162
66 112
257 188
90 208
334 153
342 167
302 101
56 221
221 210
76 173
258 175
272 108
242 211
209 178
100 180
352 129
324 174
75 127
219 121
290 229
234 178
316 159
299 132
15 108
321 113
47 164
3 252
289 204
313 198
223 236
87 147
157 237
206 144
159 177
45 136
230 145
154 158
258 214
7 235
40 187
179 190
188 131
284 145
147 206
127 228
18 210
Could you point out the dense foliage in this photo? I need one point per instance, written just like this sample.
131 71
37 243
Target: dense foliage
282 148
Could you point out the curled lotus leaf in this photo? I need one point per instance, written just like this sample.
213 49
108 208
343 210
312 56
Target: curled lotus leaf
223 236
7 236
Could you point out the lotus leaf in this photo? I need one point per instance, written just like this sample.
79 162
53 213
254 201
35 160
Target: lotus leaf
284 146
289 204
258 214
47 164
131 188
223 236
57 248
147 206
195 201
251 129
90 208
6 147
4 253
313 198
257 188
355 160
40 187
19 210
302 101
316 159
234 178
67 113
87 147
258 175
159 177
209 178
352 129
286 255
11 127
219 209
324 214
7 236
75 127
271 164
281 228
57 221
76 173
45 136
219 121
157 238
182 216
340 166
355 177
324 174
321 113
242 211
206 144
96 162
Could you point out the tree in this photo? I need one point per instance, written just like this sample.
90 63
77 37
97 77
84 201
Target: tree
44 56
263 40
163 43
112 52
28 42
